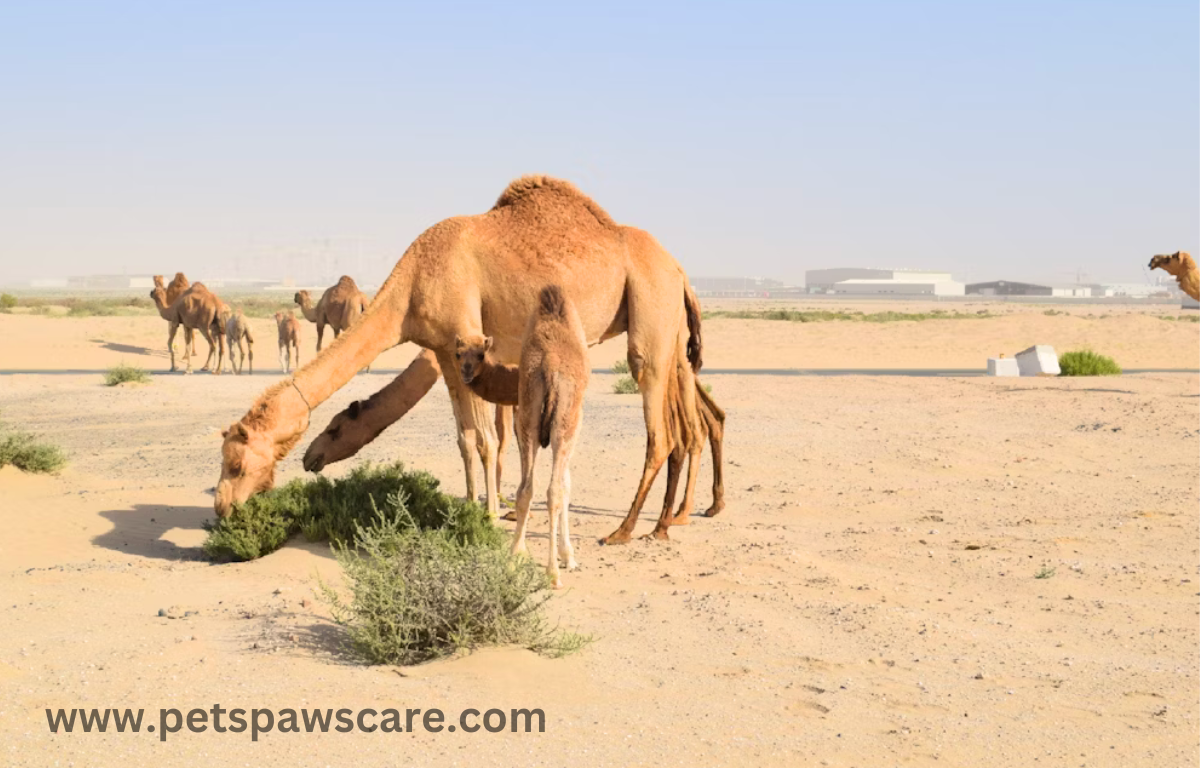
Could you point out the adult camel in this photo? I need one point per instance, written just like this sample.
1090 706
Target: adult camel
481 274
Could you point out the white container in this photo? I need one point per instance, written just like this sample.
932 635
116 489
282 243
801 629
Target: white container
1039 360
1003 366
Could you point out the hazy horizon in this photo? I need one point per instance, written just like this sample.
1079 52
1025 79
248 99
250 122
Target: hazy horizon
1019 141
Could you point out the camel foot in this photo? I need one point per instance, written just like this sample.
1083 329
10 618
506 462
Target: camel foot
658 534
616 537
557 583
714 510
571 565
682 518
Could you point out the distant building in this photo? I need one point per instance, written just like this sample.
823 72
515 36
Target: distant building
882 282
1134 290
753 287
1011 288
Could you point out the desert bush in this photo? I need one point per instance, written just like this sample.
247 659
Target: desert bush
621 366
335 510
419 594
119 374
1084 362
7 302
626 386
25 452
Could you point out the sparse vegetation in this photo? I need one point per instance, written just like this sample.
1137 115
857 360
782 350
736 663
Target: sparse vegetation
7 302
708 388
819 316
25 452
626 386
621 366
1044 572
1053 312
1084 362
1181 318
335 510
419 594
120 374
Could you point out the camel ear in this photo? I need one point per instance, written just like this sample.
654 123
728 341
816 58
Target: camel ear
354 409
238 432
458 344
487 343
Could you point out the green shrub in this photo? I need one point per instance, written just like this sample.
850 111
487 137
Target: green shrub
122 373
7 302
626 386
417 594
1084 362
23 451
621 366
334 510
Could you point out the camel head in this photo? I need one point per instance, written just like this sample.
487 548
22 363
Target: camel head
158 281
341 439
1172 263
302 298
248 458
159 294
470 353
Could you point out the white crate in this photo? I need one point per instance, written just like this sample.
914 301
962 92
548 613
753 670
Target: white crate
1039 360
1003 366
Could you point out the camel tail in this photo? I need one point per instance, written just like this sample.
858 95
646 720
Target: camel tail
707 402
695 344
549 410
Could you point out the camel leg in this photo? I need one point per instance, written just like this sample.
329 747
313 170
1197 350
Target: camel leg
566 553
250 355
221 353
320 335
695 447
212 347
504 426
527 444
715 426
171 346
466 438
285 355
555 506
485 442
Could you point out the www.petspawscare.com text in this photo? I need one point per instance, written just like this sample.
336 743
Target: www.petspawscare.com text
259 721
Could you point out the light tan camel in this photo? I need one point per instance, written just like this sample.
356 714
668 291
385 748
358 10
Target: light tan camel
237 333
482 274
289 339
174 290
1183 268
199 309
339 307
550 380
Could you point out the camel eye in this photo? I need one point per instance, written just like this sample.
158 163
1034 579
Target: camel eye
235 470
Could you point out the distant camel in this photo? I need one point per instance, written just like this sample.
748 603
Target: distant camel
1181 265
237 330
174 290
199 309
551 381
339 307
289 339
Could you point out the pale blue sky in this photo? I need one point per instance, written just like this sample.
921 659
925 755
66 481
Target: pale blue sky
997 140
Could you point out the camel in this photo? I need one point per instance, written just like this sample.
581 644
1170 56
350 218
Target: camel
289 339
174 290
1183 268
199 309
550 380
481 274
237 330
339 306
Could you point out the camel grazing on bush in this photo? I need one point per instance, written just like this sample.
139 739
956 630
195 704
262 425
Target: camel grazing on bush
289 339
237 332
199 309
482 274
1183 268
550 380
339 307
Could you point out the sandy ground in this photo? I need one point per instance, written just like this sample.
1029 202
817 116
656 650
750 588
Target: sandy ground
867 599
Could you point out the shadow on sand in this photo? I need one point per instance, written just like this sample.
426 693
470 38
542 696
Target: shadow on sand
139 530
129 349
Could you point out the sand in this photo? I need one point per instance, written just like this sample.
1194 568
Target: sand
868 598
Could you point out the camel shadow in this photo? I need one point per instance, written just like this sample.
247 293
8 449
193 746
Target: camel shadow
139 531
129 349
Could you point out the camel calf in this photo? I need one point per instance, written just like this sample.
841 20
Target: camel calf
237 330
551 379
289 340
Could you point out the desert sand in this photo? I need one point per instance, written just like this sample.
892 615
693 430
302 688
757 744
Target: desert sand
868 598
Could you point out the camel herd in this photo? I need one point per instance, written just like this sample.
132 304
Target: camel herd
504 304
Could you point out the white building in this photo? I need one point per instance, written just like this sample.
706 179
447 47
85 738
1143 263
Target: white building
882 282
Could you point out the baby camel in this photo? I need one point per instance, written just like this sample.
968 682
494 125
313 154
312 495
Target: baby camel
289 339
237 329
550 382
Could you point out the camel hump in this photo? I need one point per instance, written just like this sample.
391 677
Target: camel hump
345 281
536 186
552 304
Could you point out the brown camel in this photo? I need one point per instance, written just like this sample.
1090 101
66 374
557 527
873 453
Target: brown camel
1181 265
237 332
198 309
289 339
339 307
174 290
482 274
550 380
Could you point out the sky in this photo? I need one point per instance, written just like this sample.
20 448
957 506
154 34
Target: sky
1007 140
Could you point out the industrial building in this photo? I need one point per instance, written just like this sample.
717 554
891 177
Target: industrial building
1011 288
882 282
737 287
